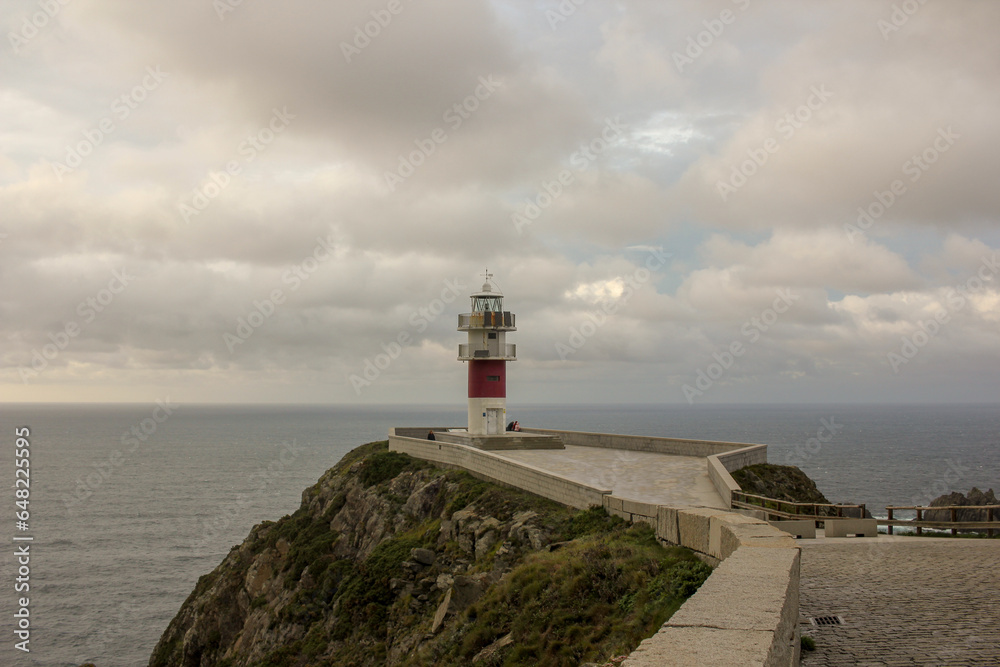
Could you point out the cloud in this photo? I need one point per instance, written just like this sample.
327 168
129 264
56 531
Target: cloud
408 159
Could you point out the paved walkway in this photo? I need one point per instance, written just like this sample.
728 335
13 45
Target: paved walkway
644 476
905 601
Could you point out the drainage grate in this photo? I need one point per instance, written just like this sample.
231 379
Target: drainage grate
827 620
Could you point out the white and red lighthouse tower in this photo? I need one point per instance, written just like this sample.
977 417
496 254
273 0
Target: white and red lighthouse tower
487 353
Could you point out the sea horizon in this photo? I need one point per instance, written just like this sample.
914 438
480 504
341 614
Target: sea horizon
122 539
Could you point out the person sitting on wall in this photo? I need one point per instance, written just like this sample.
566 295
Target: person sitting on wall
517 426
430 435
510 426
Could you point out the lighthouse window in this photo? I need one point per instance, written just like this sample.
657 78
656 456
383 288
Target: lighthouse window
492 378
491 335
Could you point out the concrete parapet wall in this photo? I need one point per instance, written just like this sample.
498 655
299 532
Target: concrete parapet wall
642 443
720 465
496 468
744 615
421 431
747 612
740 458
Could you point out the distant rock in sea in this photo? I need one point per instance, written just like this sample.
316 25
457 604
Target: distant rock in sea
975 497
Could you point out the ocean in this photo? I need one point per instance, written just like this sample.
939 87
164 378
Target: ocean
130 504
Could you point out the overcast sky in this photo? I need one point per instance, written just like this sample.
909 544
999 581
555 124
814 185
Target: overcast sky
683 202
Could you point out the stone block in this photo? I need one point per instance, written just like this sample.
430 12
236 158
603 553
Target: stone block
758 534
694 527
635 507
753 589
851 527
666 524
757 514
620 514
702 646
804 528
720 521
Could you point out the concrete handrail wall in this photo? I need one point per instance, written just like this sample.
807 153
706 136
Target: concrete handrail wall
747 612
499 469
720 465
643 443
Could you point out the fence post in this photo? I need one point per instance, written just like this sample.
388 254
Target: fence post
889 531
920 517
954 518
989 517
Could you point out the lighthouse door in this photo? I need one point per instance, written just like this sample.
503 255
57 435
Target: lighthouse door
494 421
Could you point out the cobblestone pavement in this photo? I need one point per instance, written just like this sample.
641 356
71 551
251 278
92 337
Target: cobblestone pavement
905 601
644 476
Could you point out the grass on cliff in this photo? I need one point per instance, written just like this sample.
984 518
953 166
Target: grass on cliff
597 596
779 482
601 589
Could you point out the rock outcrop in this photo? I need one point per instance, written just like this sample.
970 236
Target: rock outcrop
779 482
975 497
390 561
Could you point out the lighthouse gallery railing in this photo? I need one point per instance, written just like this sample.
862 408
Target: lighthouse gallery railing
486 320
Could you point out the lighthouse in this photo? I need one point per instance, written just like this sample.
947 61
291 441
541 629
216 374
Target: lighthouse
487 352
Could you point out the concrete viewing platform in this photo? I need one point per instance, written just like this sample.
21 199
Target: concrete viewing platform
649 477
901 600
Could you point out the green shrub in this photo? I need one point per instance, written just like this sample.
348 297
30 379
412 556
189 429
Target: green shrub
687 576
382 466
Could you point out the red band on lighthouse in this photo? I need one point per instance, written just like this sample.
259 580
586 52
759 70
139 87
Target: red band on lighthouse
487 378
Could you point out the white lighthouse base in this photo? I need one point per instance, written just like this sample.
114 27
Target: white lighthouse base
487 416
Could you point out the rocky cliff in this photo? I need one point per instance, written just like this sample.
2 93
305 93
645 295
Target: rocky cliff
390 561
779 482
975 497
